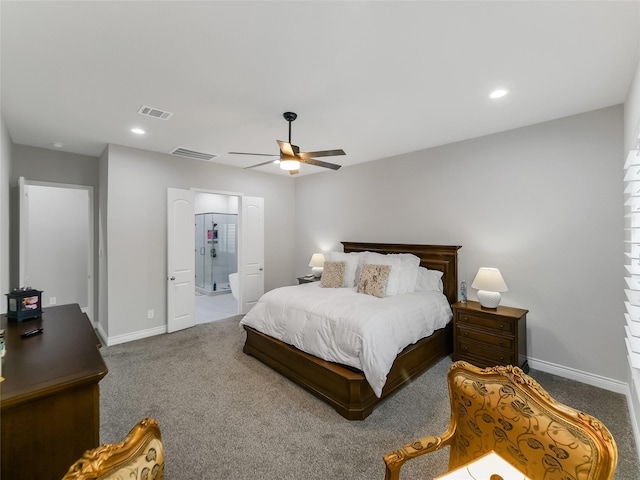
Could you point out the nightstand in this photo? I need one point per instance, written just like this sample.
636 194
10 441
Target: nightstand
302 280
487 337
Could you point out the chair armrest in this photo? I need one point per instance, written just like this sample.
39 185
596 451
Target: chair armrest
395 460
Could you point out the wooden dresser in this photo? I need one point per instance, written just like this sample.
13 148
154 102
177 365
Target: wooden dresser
487 337
49 400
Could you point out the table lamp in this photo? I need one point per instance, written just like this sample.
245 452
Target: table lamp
317 263
489 283
488 467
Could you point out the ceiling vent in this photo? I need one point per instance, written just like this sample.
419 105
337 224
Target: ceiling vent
185 152
155 113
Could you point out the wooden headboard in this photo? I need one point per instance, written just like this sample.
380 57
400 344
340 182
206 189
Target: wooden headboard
433 257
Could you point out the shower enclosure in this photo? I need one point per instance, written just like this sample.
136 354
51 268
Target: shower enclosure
216 251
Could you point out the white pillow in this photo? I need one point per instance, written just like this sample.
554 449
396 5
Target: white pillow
429 280
408 272
351 265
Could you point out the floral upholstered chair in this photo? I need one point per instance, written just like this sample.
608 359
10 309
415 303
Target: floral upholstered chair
139 456
504 410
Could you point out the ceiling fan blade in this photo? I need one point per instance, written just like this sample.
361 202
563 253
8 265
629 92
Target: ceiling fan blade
322 153
294 172
246 153
287 149
319 163
263 163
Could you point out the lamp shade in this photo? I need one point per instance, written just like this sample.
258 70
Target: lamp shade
316 263
489 283
317 260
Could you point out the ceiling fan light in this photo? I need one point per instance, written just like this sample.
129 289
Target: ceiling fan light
289 165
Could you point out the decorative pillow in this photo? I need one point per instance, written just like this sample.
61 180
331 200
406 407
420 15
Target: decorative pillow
429 280
351 265
395 264
373 279
332 274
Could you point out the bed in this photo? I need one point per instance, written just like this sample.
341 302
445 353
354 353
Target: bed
344 387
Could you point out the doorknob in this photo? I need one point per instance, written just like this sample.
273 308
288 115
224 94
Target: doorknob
172 277
261 269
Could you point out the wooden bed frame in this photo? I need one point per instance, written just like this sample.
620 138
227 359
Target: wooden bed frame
345 388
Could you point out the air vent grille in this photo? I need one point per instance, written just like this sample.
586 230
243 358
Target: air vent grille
155 113
185 152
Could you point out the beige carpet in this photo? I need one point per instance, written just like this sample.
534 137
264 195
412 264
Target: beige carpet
224 415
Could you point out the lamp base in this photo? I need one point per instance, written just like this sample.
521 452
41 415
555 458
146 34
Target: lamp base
316 271
489 299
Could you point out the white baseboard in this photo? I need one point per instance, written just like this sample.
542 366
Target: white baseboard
129 337
580 376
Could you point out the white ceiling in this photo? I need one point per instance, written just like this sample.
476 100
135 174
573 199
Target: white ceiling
375 78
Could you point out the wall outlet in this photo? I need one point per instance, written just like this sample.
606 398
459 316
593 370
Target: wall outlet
151 314
53 300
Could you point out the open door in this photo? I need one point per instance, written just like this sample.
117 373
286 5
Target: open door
252 253
180 259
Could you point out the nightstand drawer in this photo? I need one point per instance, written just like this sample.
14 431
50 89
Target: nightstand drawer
491 356
491 322
486 338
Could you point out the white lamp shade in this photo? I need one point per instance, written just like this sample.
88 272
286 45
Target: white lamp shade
317 260
485 468
489 279
316 263
489 283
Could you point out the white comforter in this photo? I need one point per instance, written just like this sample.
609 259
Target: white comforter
343 326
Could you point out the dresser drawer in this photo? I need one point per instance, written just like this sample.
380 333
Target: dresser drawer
490 356
490 322
487 338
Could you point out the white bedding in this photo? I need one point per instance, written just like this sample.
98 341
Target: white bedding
342 326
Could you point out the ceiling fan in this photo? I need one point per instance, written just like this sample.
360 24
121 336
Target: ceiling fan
290 155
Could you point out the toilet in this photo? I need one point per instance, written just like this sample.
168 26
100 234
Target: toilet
233 284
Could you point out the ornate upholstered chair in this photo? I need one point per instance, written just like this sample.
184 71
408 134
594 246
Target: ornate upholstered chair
139 456
504 410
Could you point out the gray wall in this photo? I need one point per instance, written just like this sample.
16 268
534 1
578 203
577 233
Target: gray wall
136 228
42 165
541 203
5 167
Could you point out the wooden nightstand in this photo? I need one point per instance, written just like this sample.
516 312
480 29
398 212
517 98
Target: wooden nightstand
487 337
302 280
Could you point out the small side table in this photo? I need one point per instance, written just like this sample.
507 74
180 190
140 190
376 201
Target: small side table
487 337
302 280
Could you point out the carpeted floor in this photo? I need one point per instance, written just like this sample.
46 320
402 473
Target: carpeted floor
224 415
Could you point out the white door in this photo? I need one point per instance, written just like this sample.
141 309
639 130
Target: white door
180 259
252 253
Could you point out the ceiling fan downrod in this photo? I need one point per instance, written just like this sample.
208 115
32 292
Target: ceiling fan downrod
290 117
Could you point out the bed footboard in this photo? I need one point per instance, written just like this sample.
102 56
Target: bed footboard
345 389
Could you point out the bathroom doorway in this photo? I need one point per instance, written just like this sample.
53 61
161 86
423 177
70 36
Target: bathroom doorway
216 256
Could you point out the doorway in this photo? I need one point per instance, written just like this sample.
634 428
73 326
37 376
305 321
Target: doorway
56 242
216 256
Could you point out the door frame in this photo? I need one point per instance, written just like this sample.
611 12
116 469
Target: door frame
24 235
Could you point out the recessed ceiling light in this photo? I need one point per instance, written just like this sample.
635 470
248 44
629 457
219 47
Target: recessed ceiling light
57 144
138 131
499 93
